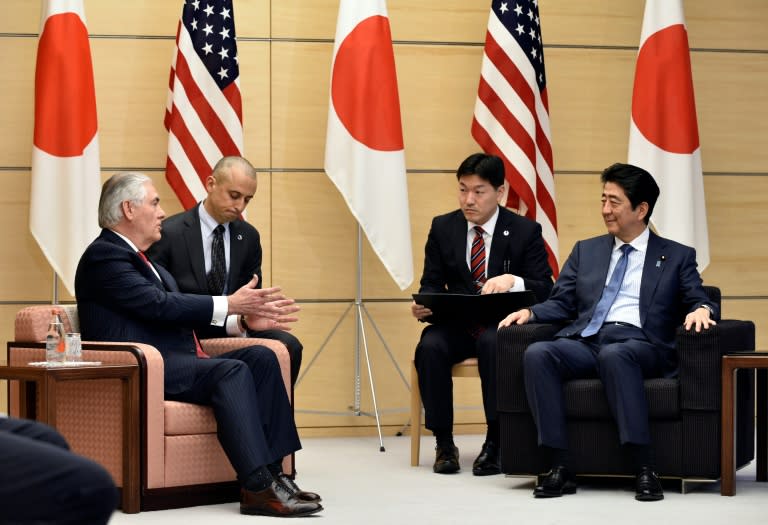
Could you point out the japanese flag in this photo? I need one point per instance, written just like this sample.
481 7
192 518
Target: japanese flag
66 178
364 154
663 134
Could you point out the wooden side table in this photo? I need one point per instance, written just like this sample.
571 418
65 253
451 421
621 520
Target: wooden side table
731 363
46 379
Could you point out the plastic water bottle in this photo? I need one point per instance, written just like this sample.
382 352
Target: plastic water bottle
54 339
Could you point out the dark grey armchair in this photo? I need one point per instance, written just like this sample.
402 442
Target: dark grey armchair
684 411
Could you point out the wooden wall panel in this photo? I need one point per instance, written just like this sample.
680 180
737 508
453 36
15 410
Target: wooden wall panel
23 17
590 100
300 73
410 20
755 310
737 222
600 23
153 18
24 272
732 116
741 26
131 100
302 227
564 22
138 17
436 114
17 103
314 249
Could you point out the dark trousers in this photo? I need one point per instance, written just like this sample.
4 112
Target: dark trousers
290 341
41 481
620 356
440 348
253 415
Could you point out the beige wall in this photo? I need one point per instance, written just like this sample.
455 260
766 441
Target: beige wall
309 235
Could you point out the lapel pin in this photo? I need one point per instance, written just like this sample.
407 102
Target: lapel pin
239 237
506 233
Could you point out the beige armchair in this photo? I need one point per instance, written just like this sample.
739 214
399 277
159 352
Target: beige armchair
181 461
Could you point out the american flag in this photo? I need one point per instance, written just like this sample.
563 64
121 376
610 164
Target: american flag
511 116
204 115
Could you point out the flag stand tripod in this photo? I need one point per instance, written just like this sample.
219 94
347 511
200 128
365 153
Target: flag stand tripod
359 310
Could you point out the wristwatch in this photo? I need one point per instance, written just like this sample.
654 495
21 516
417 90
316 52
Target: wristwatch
243 324
709 309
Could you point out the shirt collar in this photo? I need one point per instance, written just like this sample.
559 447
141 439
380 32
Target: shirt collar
489 225
639 243
127 240
207 222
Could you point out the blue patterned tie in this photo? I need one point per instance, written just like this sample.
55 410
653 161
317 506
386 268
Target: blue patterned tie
610 292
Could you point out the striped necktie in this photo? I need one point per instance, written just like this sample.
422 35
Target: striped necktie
477 259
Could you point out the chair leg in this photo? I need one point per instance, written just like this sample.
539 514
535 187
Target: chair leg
415 416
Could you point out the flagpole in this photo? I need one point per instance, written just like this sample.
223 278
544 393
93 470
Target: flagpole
55 292
361 312
360 337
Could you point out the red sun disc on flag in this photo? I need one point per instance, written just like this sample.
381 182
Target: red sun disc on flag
364 86
65 99
663 106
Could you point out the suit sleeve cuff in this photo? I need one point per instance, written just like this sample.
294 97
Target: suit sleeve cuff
519 285
233 326
220 309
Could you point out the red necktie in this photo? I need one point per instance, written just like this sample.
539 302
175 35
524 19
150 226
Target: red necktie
198 348
477 259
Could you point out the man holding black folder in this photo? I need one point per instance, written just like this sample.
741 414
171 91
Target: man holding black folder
481 248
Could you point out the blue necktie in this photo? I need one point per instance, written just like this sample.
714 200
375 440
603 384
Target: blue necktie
610 292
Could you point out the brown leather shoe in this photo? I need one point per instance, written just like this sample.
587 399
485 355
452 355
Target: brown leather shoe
294 489
275 500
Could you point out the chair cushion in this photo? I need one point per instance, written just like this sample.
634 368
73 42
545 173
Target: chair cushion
183 419
585 399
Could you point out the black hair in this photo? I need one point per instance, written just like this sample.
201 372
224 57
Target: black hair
487 167
638 185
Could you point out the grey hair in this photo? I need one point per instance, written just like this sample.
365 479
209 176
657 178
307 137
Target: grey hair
120 187
223 167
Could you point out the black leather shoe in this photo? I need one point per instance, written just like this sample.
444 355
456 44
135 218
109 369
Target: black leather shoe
446 460
555 483
487 463
294 489
275 500
648 486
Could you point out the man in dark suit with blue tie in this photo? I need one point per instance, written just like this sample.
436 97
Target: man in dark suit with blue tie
122 296
458 245
187 247
623 295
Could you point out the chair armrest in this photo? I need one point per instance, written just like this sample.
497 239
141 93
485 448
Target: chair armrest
511 344
152 385
220 345
699 360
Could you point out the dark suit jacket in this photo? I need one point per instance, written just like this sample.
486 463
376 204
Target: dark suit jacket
119 298
180 251
517 248
670 287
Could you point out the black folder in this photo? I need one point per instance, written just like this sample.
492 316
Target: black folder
486 309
